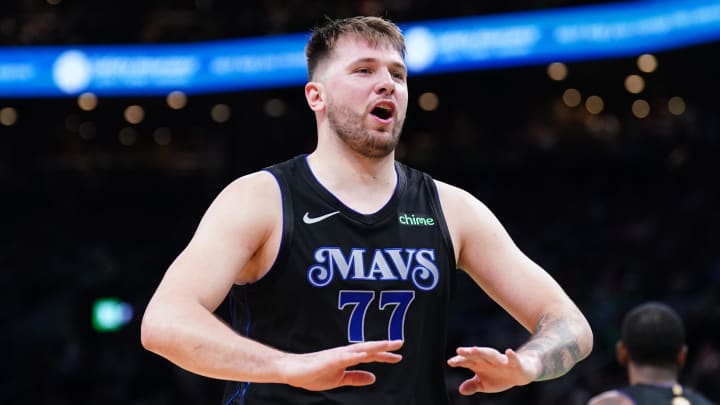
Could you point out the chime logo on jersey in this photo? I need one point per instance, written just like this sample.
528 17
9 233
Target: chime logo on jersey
416 220
417 265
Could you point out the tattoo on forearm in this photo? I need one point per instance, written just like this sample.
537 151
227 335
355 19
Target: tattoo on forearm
557 344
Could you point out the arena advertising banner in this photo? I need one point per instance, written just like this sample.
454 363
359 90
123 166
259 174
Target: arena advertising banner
438 46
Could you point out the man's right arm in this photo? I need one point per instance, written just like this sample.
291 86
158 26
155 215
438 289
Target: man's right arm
179 323
236 242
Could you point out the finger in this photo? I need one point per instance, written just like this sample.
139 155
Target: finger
369 352
384 357
461 361
348 359
377 346
470 386
357 378
486 354
354 358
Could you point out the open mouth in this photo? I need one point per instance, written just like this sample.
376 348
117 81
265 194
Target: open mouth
383 111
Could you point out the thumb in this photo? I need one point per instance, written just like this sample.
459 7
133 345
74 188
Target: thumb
471 386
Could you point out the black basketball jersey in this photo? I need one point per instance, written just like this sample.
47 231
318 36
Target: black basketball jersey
343 277
648 394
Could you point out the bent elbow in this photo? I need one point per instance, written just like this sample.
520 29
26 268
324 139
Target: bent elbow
587 340
151 335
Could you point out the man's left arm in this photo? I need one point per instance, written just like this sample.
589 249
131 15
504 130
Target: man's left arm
560 334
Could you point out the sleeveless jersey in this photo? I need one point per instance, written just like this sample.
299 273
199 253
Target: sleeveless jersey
648 394
342 277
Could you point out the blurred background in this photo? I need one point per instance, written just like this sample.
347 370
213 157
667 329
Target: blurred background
604 169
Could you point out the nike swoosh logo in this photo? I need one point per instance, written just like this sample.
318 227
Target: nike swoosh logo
308 220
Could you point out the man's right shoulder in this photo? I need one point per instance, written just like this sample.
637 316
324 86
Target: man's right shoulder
258 181
612 397
252 194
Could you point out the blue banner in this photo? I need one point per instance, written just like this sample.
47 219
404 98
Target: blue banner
470 43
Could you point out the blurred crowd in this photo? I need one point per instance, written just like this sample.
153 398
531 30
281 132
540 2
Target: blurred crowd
618 209
43 22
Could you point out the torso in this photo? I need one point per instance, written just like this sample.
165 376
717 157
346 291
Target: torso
342 276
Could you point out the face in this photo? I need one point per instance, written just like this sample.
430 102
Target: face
365 95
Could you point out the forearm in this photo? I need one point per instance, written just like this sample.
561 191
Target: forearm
197 341
560 340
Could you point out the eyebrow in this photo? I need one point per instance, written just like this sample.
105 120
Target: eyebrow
398 65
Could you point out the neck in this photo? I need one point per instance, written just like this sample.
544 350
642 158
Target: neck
651 375
361 183
333 162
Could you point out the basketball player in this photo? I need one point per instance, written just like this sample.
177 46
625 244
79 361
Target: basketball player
652 347
339 264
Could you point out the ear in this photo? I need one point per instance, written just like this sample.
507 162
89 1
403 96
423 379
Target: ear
315 96
621 353
682 356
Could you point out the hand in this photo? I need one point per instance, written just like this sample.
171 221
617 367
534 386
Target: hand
494 371
327 369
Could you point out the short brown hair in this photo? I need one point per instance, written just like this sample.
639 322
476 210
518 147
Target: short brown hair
373 29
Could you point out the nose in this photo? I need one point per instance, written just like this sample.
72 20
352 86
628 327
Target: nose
385 84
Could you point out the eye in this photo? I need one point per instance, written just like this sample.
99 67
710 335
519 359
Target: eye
398 75
363 70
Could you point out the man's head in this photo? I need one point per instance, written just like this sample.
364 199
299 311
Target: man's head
358 84
652 334
374 30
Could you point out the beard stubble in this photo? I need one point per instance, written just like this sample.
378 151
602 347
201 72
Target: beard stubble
349 128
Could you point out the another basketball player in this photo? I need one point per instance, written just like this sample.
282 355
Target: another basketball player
652 347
